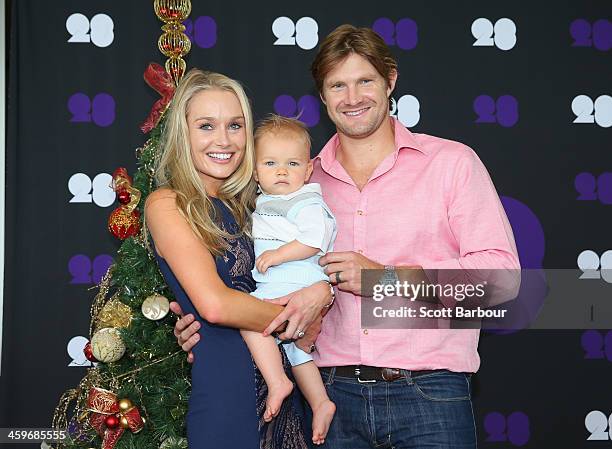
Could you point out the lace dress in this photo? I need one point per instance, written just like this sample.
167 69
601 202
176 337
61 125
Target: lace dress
228 392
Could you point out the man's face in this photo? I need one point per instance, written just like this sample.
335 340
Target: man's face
357 96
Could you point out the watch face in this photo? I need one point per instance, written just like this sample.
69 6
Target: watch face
389 277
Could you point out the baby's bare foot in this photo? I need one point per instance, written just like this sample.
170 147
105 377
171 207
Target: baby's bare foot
277 392
322 416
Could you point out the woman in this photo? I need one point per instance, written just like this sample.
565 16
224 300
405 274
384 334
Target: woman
199 221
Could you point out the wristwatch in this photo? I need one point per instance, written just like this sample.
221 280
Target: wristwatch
389 276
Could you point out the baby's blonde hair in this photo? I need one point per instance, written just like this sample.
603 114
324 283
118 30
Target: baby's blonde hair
279 125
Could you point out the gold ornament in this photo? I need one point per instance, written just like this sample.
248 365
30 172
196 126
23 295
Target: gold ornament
125 405
155 307
114 314
123 421
174 43
107 346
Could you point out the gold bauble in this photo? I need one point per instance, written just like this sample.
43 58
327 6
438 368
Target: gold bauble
107 346
125 405
155 307
114 314
174 43
172 10
123 422
175 66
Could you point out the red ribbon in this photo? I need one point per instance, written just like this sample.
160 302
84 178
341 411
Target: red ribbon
103 403
157 77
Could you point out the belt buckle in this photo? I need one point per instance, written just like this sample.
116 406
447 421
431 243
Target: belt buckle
358 373
394 374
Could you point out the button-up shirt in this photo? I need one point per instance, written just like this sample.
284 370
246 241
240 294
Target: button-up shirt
431 203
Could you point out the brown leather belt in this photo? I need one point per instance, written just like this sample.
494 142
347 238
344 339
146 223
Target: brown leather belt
367 373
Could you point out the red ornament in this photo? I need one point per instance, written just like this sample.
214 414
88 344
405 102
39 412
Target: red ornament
111 421
123 223
124 197
88 354
106 412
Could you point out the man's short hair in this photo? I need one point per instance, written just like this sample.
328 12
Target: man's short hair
347 39
279 125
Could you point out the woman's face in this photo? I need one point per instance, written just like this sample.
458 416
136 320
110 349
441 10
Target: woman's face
217 135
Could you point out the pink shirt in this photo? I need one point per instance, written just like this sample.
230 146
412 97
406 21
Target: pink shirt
431 203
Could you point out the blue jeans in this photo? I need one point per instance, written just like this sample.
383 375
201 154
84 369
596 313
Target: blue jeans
428 411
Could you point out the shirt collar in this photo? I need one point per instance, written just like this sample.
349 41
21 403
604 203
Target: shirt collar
312 187
403 139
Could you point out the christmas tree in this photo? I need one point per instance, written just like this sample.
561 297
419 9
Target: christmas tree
136 395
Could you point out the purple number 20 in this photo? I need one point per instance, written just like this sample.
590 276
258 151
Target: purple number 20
404 34
101 110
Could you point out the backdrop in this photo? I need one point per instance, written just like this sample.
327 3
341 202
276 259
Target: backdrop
526 84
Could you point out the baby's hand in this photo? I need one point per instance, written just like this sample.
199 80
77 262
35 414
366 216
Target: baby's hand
266 260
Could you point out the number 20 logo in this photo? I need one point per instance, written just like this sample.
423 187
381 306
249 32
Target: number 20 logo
588 111
98 191
595 267
99 31
304 33
599 425
501 35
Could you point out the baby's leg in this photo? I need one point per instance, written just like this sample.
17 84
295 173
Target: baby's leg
309 380
268 360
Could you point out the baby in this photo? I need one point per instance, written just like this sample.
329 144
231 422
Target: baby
292 228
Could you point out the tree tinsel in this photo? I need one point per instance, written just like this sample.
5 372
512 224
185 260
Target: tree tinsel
153 373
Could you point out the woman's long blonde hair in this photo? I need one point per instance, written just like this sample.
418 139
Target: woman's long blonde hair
175 168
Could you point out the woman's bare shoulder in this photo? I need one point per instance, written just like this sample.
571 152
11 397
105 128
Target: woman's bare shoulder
161 198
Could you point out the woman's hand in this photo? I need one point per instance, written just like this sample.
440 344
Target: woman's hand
302 308
307 343
185 330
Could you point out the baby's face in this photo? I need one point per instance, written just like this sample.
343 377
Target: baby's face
282 163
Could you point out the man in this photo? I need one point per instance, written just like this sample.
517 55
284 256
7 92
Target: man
401 200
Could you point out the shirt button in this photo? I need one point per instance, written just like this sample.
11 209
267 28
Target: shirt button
359 212
365 332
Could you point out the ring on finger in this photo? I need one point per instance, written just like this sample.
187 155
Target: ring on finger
338 279
300 333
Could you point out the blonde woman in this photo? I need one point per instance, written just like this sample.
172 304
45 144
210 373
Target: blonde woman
199 221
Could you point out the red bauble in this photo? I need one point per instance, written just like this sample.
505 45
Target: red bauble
88 354
123 224
111 421
124 197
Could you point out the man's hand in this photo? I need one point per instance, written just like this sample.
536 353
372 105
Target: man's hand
346 267
303 307
185 330
266 260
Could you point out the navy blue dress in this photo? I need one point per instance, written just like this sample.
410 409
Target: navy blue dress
228 392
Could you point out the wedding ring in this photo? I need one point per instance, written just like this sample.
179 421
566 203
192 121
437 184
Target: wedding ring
313 348
338 280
